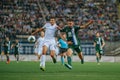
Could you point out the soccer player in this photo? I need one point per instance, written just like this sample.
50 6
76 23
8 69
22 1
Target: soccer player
64 50
7 48
49 41
72 37
99 43
38 45
16 47
2 51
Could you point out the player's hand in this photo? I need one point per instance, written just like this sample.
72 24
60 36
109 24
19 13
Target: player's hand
59 28
91 21
70 42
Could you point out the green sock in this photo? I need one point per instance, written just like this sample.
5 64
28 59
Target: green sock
97 59
69 60
62 59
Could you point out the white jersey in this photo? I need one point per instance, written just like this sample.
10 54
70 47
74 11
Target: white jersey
50 31
40 41
39 44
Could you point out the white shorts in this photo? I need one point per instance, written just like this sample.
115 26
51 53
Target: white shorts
56 50
36 50
40 50
50 44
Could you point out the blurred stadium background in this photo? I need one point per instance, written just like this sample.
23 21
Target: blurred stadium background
18 18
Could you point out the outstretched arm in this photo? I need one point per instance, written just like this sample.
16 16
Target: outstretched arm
87 24
37 31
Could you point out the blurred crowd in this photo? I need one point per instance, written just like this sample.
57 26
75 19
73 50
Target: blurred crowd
21 17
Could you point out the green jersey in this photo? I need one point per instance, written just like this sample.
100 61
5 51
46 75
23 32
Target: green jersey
16 47
99 41
72 34
7 46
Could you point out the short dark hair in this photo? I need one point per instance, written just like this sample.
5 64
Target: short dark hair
52 17
70 19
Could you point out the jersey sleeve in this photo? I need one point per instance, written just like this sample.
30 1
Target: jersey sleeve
45 25
59 41
77 28
63 30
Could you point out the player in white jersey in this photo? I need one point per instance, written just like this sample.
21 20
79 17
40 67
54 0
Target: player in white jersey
49 41
38 45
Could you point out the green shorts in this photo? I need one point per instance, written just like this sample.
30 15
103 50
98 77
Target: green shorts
7 52
77 48
99 51
16 53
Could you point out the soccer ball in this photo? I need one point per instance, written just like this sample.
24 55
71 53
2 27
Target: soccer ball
31 39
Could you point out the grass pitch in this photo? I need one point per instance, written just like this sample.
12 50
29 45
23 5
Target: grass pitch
87 71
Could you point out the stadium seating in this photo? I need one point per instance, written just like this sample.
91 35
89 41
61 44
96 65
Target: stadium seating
18 18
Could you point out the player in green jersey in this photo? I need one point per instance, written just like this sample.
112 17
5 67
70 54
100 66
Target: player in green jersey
16 46
7 48
99 43
72 37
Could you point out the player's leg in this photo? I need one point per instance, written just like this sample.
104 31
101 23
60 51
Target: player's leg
17 56
52 52
80 54
39 52
2 54
63 52
62 58
39 55
36 50
100 54
69 59
81 57
43 57
97 57
7 56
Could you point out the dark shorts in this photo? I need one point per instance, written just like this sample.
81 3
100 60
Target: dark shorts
16 53
77 48
63 50
6 51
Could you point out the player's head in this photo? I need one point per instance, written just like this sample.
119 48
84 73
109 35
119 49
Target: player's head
16 40
70 22
42 33
97 34
64 35
52 20
7 38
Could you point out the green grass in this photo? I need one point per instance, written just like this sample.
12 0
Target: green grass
87 71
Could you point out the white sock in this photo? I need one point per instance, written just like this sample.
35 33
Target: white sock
44 60
2 57
41 61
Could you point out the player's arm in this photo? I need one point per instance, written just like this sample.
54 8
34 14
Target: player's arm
87 24
36 43
37 31
69 42
103 43
94 44
12 46
59 28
